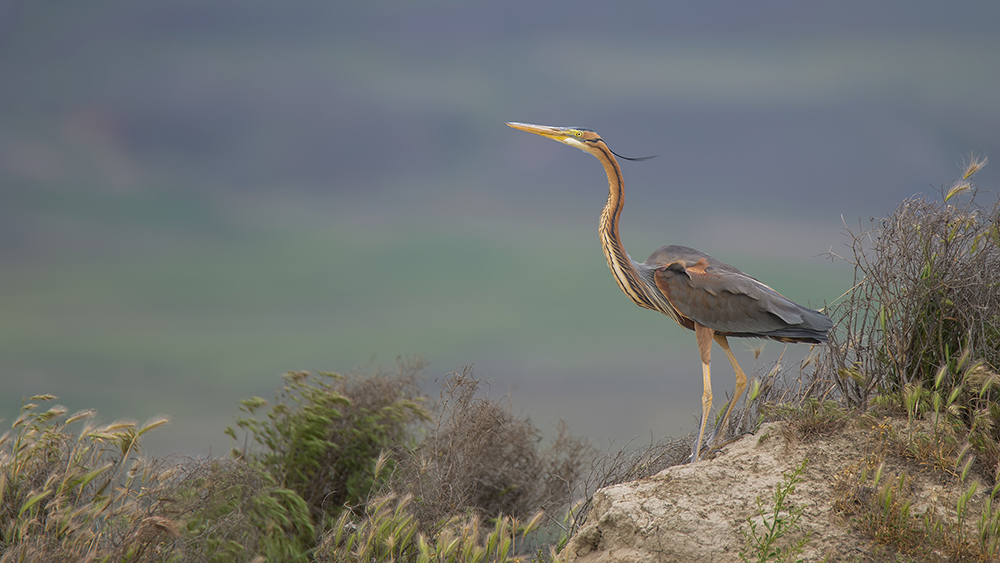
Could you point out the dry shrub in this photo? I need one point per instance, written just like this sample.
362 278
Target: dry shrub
920 331
480 457
926 291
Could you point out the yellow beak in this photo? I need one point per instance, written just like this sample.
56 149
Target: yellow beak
556 133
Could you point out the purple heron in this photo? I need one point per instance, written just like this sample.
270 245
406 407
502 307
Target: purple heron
700 293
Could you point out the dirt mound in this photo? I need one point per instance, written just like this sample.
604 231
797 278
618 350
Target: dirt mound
697 512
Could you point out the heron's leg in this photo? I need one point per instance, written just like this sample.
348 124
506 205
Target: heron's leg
704 336
741 385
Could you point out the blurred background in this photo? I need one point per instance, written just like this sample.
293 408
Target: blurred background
196 197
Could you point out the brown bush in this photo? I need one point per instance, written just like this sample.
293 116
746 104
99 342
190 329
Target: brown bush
478 456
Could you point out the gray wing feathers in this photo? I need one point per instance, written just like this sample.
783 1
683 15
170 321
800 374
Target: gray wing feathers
717 295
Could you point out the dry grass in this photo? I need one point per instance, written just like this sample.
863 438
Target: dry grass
73 490
803 392
885 496
919 336
69 494
809 419
622 465
387 531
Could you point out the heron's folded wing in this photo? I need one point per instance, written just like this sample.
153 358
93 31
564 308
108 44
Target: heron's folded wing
725 300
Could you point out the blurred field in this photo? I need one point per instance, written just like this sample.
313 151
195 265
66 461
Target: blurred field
195 198
189 328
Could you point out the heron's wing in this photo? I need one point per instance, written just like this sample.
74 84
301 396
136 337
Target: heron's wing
725 299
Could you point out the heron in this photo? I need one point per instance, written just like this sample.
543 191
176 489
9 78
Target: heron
700 293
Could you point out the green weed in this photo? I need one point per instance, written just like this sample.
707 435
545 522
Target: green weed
768 540
323 433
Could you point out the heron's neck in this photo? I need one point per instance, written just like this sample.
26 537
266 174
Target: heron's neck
622 267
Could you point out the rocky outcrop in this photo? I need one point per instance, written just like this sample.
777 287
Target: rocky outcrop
695 513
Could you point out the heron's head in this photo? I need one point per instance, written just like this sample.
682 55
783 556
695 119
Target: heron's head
583 139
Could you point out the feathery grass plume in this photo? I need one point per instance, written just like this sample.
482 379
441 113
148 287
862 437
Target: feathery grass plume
385 531
958 187
74 490
974 164
74 494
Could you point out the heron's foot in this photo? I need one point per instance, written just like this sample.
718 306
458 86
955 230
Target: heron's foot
713 447
697 454
724 443
715 442
708 451
706 454
716 434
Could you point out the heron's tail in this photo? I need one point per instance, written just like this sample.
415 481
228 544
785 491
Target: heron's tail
813 329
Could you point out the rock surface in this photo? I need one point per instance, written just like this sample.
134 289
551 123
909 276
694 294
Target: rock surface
696 512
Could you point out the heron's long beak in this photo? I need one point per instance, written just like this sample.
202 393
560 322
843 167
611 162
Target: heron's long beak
557 133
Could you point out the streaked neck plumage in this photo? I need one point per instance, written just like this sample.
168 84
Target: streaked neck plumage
623 268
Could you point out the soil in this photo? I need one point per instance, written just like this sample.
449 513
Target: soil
699 512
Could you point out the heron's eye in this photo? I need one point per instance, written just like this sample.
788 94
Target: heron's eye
579 133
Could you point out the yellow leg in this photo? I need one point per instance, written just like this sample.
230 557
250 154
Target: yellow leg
741 385
704 336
